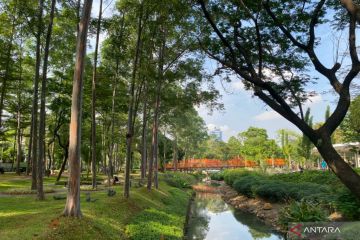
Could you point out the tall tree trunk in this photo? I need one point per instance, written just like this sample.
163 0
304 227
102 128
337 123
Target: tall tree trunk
34 110
93 102
157 109
72 206
7 69
62 168
41 144
18 117
18 143
175 153
111 152
164 154
336 163
153 163
130 131
29 162
143 136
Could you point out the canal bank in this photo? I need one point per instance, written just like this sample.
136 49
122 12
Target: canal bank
212 218
265 211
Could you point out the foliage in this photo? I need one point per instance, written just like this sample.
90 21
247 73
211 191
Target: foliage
232 175
166 223
218 176
246 185
302 211
348 204
179 179
198 175
320 187
350 127
255 145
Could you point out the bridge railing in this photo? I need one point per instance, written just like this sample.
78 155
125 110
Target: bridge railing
219 164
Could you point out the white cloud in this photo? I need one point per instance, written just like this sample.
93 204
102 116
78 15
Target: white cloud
313 100
211 126
267 115
238 85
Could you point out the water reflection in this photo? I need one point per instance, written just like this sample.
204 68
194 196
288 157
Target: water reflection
212 219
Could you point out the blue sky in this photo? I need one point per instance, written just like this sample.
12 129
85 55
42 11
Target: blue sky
242 110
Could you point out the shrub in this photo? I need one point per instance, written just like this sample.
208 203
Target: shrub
302 211
348 204
179 180
273 190
218 176
246 185
198 175
279 191
311 176
231 175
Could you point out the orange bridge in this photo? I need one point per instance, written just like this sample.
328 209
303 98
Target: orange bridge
220 164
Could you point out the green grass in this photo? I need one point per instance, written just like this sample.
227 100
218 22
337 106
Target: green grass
12 182
23 217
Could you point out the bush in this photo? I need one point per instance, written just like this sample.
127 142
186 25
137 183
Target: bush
273 191
348 204
302 211
247 184
179 180
198 175
217 176
231 175
311 176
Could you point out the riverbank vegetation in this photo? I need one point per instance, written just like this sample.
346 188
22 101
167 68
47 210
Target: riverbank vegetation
307 193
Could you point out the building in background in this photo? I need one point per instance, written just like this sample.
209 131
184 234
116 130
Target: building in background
216 133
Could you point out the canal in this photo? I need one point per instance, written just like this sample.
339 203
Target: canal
212 219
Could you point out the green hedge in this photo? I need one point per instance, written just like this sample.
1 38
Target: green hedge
218 176
231 175
318 187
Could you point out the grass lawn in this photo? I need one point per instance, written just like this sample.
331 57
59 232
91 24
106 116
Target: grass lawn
23 217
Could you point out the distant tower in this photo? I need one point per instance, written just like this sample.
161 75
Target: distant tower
217 133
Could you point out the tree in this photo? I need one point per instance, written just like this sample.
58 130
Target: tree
350 127
256 146
41 143
282 42
93 101
306 146
72 206
34 113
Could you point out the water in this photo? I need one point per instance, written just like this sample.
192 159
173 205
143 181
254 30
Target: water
213 219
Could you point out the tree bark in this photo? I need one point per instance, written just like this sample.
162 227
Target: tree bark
143 136
18 143
175 153
18 118
130 131
41 143
34 110
93 101
111 152
7 69
157 108
62 168
337 164
72 206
